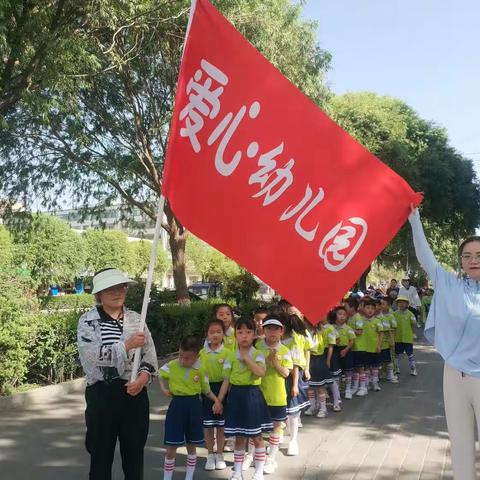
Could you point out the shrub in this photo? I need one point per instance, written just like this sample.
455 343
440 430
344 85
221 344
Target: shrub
71 302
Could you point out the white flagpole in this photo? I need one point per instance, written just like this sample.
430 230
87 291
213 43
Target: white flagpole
156 237
148 284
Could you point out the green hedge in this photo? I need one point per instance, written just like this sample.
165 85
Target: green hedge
72 302
38 349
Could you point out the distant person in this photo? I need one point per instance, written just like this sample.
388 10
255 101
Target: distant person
453 327
409 291
108 335
393 286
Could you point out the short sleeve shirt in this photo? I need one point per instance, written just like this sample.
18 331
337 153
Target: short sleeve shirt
229 339
404 331
185 381
238 372
357 323
389 325
296 345
213 361
329 334
273 384
371 329
318 343
344 335
353 319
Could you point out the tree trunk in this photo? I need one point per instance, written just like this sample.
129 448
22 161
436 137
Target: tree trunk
362 281
177 240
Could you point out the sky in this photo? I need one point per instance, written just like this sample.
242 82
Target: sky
424 52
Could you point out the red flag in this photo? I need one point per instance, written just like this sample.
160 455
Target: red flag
259 172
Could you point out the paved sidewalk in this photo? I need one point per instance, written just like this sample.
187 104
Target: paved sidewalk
398 433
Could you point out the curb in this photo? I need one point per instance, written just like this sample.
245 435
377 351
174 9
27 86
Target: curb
41 395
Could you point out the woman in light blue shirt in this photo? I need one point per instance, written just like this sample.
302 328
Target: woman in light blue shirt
453 327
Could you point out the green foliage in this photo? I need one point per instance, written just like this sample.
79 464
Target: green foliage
106 248
72 302
241 287
6 246
49 250
139 253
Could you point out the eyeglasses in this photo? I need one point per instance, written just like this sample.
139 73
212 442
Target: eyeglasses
468 257
116 288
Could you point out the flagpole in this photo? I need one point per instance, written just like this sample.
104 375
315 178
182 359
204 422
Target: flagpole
156 237
148 284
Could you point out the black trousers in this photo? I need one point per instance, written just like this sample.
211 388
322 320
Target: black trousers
111 413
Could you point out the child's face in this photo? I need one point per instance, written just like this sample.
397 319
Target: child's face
273 334
292 310
259 317
245 336
402 305
215 334
384 305
369 310
225 315
187 359
379 308
341 317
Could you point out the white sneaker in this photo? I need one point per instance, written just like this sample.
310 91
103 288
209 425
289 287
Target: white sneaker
236 476
362 392
270 466
413 372
322 413
376 387
293 449
337 408
258 476
220 462
354 389
210 463
348 394
247 462
310 411
394 380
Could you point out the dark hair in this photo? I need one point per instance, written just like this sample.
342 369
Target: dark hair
218 306
215 322
336 309
473 238
261 310
275 310
393 280
191 343
284 305
246 321
352 302
298 325
369 301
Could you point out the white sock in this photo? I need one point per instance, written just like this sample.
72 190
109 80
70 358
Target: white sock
274 443
191 464
259 461
294 421
322 401
168 468
238 457
335 392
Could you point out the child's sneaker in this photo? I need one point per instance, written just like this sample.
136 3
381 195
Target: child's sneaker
247 461
210 463
322 413
348 394
310 411
293 449
413 372
236 476
270 466
337 407
376 387
258 476
362 392
394 380
220 462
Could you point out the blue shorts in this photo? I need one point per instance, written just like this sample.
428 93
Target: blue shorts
360 359
404 348
335 368
210 420
183 423
372 359
346 362
385 356
278 414
319 373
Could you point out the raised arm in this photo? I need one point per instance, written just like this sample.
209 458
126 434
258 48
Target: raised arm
422 249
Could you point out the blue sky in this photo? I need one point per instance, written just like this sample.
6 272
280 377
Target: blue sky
425 52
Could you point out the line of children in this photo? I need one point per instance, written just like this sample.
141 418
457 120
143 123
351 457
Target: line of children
257 377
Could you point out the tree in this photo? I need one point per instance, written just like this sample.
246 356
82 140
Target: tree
50 251
6 247
106 249
36 44
242 287
139 253
104 133
418 151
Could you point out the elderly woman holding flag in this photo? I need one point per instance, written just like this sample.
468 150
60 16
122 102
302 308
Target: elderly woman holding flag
453 327
108 336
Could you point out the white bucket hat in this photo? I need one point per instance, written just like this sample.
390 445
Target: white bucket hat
109 278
